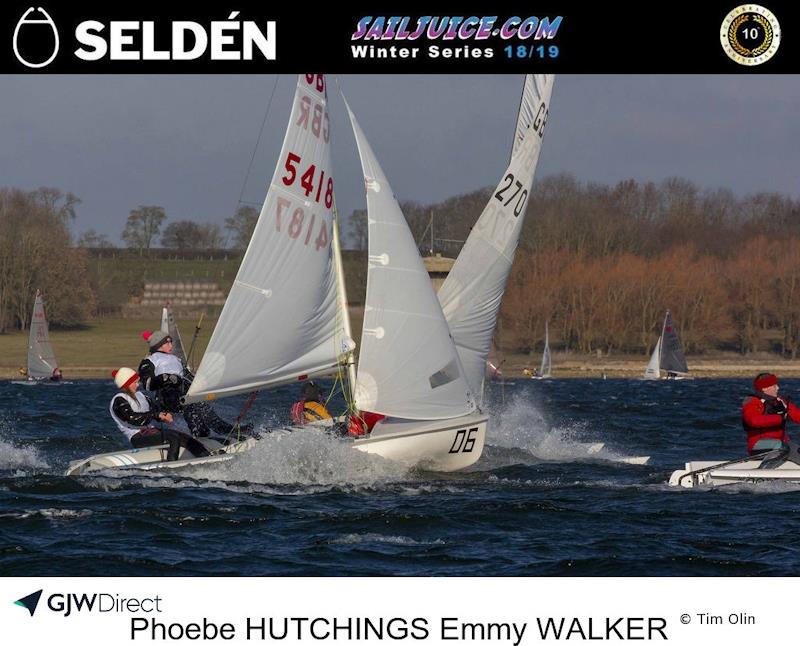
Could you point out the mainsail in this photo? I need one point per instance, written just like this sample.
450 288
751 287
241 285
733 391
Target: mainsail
528 108
408 366
279 322
41 360
169 326
471 294
544 371
672 357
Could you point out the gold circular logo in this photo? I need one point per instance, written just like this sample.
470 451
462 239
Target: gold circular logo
750 34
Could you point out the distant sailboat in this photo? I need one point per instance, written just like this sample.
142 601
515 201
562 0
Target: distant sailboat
667 355
544 370
42 364
169 326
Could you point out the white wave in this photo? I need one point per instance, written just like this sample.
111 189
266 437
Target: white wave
312 459
16 457
307 457
50 513
519 424
353 539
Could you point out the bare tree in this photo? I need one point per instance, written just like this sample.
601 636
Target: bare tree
90 239
185 234
240 226
143 226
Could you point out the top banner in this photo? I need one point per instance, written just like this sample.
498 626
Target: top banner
253 37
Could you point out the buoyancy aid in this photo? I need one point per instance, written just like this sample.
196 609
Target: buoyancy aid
138 404
305 411
764 419
362 423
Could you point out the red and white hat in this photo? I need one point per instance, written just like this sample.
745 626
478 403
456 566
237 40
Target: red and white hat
124 377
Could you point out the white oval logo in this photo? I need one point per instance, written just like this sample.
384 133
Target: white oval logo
47 20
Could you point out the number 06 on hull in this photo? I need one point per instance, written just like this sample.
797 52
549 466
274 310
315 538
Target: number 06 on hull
447 445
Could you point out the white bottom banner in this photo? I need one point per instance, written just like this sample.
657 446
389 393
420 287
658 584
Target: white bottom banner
452 611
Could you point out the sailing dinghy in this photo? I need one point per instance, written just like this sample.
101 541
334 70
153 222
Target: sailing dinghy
408 366
667 355
42 364
745 470
170 326
281 322
545 371
473 290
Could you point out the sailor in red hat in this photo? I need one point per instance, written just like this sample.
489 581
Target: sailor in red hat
764 416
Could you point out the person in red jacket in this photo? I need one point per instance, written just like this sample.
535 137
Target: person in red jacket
764 416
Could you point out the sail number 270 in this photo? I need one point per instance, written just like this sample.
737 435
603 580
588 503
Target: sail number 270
520 194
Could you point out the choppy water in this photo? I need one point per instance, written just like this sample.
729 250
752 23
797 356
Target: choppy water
539 502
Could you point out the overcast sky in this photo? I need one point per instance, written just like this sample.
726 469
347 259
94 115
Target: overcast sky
185 142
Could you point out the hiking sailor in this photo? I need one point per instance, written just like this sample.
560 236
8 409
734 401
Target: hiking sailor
310 407
764 419
164 375
134 413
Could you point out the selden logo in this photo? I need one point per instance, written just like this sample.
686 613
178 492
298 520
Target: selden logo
30 602
36 40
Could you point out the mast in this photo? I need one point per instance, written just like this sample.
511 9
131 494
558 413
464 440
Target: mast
661 345
341 294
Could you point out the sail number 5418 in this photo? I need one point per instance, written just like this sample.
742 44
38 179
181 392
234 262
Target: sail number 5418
464 440
308 179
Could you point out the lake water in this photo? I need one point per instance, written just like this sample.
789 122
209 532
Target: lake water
539 502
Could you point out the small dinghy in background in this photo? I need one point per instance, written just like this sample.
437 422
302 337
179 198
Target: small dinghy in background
741 470
42 364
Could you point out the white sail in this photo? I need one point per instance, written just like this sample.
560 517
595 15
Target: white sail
408 366
544 371
279 322
170 326
529 104
471 294
41 360
652 370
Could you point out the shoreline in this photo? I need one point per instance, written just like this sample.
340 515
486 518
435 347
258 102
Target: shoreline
573 368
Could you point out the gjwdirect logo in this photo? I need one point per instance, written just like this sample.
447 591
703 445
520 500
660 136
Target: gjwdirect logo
36 40
750 34
66 603
30 602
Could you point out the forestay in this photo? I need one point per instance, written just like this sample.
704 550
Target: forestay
471 294
279 321
41 360
408 366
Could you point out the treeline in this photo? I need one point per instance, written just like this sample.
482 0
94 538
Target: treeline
603 263
36 252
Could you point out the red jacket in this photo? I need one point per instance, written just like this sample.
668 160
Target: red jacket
760 425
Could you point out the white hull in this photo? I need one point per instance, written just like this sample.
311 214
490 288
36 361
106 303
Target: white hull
40 382
155 457
747 472
441 445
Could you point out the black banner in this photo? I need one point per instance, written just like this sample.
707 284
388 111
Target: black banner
255 37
